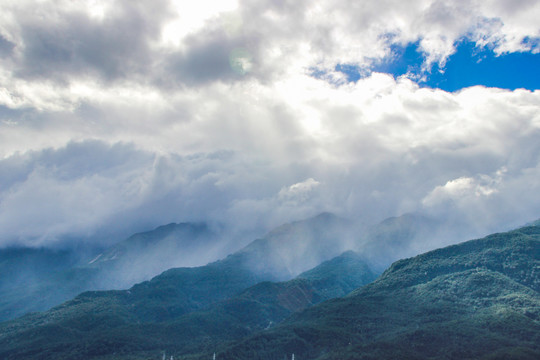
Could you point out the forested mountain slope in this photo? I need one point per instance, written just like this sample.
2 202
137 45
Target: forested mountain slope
478 299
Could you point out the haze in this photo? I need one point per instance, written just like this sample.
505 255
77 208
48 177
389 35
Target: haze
120 116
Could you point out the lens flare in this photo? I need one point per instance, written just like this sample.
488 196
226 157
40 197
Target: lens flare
241 61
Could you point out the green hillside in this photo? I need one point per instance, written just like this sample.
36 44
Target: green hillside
160 314
37 279
476 300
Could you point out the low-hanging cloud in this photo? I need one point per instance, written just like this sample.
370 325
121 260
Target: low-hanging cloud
116 118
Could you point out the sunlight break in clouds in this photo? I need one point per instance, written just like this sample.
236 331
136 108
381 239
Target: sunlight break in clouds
120 116
190 17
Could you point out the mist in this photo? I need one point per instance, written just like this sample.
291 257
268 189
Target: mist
98 194
117 118
114 120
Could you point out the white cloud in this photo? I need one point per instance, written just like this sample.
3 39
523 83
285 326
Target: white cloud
299 192
191 17
261 146
465 188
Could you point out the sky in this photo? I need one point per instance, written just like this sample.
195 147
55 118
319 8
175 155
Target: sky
120 116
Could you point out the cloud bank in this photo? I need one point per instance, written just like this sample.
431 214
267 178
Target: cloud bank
118 116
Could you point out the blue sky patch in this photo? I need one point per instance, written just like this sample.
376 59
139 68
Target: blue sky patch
468 66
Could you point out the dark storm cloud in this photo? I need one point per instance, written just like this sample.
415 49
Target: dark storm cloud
208 57
124 45
6 47
76 44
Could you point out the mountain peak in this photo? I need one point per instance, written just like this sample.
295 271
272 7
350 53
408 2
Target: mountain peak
298 246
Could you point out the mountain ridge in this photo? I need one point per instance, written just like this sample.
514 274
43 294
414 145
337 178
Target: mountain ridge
118 314
147 254
477 299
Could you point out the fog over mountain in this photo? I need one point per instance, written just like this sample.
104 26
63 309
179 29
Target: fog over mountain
36 279
121 116
180 177
477 299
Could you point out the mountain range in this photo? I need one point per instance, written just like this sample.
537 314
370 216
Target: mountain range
35 279
294 291
182 310
475 300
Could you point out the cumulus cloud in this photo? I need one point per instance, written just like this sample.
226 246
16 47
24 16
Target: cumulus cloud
120 116
299 192
62 40
465 188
